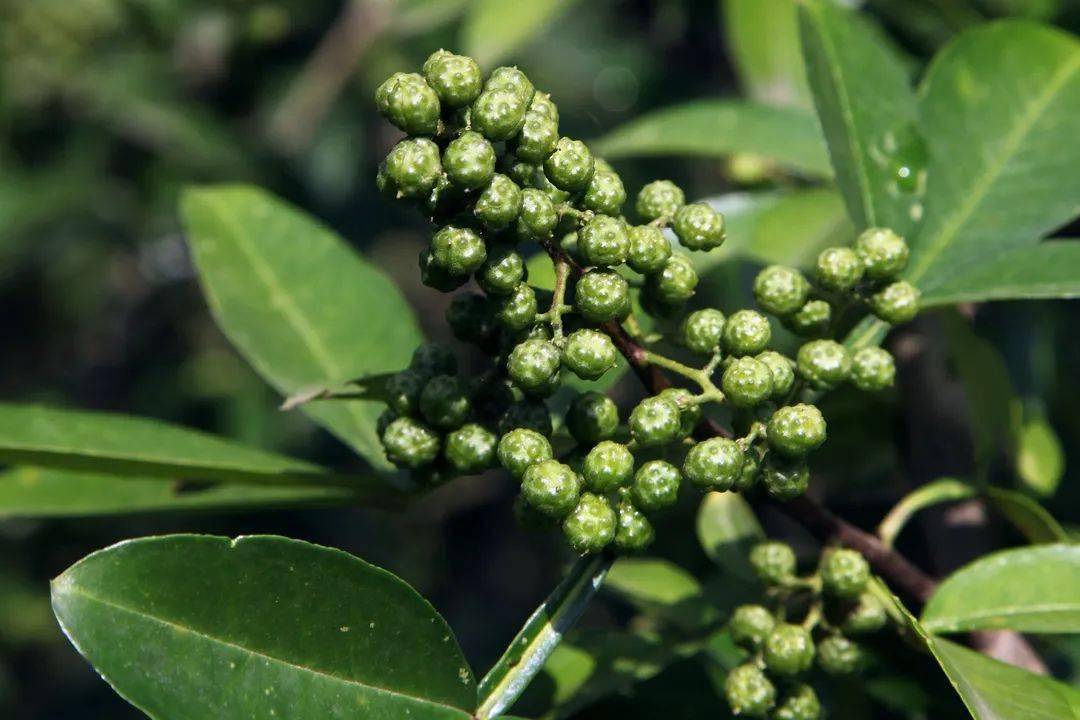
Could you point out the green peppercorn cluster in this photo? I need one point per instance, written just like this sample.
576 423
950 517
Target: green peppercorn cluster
803 621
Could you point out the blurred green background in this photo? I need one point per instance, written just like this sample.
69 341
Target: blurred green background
109 107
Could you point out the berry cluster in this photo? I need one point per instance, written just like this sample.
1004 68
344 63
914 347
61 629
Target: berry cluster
484 161
834 604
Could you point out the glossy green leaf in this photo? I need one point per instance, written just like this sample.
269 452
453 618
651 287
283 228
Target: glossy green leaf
30 492
867 112
661 588
188 627
1047 270
494 29
1040 458
298 303
998 110
727 529
1034 589
762 38
718 128
1029 517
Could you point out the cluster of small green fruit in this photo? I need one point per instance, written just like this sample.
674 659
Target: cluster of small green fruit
483 160
834 604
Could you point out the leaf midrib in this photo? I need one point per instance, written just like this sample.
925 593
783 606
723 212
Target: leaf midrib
960 622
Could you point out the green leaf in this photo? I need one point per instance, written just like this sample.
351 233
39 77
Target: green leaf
1028 516
31 492
1033 589
298 303
1047 270
494 29
718 128
187 626
932 493
1040 458
727 528
661 588
998 109
762 37
867 112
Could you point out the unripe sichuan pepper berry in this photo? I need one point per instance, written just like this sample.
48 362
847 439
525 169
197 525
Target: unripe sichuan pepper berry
785 479
538 216
867 615
749 692
433 276
589 354
675 283
714 464
789 650
455 78
458 250
655 486
521 448
406 100
605 193
538 138
659 199
414 167
534 366
498 114
884 253
517 311
409 443
542 104
444 403
471 448
844 573
430 359
601 296
552 488
592 417
699 227
590 527
501 273
780 290
811 320
608 466
469 161
512 79
603 242
649 249
746 332
751 472
825 364
701 330
896 303
798 703
796 430
531 414
782 371
471 318
689 410
499 204
746 382
839 656
403 391
634 532
773 562
571 166
838 269
655 421
873 369
750 625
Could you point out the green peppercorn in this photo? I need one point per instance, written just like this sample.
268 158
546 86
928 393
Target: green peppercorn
844 573
434 276
531 414
749 692
649 249
523 173
659 199
517 311
839 656
501 273
603 242
499 204
403 391
746 332
469 161
444 402
747 382
471 318
884 253
538 138
458 250
605 193
543 104
634 532
780 290
751 473
655 421
430 359
589 354
825 364
896 303
866 616
414 167
699 227
571 166
785 479
521 448
445 201
538 217
551 487
798 703
410 444
591 526
534 366
750 625
406 100
873 369
592 417
607 466
838 269
714 464
689 410
796 430
789 650
498 114
601 296
385 184
470 448
675 283
701 330
513 80
782 371
773 562
655 486
811 320
455 78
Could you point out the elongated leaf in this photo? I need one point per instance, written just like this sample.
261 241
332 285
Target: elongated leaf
1034 589
662 588
1028 516
727 528
1046 270
188 627
718 128
867 112
762 38
28 492
998 110
300 306
494 29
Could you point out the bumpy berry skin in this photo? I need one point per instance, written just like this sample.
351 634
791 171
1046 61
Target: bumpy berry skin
410 444
499 204
601 296
456 79
470 448
521 448
552 488
538 216
591 526
689 411
469 161
605 193
498 114
517 311
406 100
701 331
430 359
414 166
603 242
571 166
699 227
444 403
501 273
789 650
811 320
749 692
773 562
534 366
714 464
531 415
403 391
512 79
655 421
538 138
471 318
589 354
780 290
656 486
747 382
649 249
839 656
884 253
675 283
433 276
844 573
608 466
659 199
751 473
592 417
746 332
896 303
782 371
785 479
799 703
542 104
873 369
634 532
458 250
750 625
838 269
796 430
825 364
866 616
